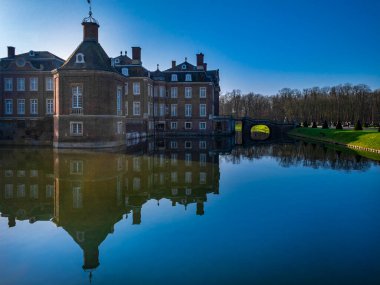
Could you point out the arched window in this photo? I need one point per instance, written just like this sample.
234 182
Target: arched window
80 58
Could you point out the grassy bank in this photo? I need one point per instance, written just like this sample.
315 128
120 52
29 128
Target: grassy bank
368 139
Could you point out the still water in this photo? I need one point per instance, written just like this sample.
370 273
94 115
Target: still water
190 212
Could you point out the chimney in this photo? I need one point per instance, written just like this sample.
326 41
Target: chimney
90 31
11 52
200 60
174 63
136 55
205 66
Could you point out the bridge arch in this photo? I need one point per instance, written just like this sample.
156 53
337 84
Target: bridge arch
260 132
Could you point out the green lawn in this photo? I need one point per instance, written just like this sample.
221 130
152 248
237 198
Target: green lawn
366 138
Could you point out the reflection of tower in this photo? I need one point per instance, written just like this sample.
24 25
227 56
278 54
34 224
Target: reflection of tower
11 221
200 209
136 216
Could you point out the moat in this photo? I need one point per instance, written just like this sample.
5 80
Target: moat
190 211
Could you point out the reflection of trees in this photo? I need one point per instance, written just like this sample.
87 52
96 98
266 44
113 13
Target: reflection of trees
303 154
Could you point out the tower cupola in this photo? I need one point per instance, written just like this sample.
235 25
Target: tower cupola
90 27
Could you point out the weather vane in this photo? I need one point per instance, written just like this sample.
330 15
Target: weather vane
89 2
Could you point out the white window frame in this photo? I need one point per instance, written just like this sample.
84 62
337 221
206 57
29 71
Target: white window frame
202 144
119 91
21 84
8 84
188 92
202 126
34 106
136 108
21 106
8 106
49 84
79 58
33 84
174 92
173 125
125 71
136 88
174 110
174 77
161 108
202 92
202 110
173 144
49 106
76 167
190 124
76 129
188 110
188 77
119 128
162 91
126 86
126 108
77 97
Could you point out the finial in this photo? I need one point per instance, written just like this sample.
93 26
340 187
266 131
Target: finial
121 52
125 52
158 67
90 277
185 59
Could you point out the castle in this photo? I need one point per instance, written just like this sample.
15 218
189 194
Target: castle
91 100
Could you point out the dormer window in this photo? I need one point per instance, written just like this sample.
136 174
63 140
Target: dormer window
117 61
174 77
125 71
184 66
79 58
188 77
31 53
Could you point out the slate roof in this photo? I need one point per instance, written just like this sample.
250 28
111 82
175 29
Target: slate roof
41 60
134 70
94 56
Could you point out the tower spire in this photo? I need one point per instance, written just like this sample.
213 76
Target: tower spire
90 8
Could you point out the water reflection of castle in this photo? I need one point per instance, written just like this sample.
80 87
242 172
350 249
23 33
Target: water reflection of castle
88 193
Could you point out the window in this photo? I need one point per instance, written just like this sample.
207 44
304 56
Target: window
188 191
188 77
8 173
136 88
174 191
8 107
174 159
76 167
34 173
49 85
202 92
173 145
202 110
202 159
188 125
174 177
21 106
79 58
49 106
155 91
188 92
202 178
33 191
202 144
188 159
202 125
21 193
137 164
136 183
8 84
136 108
188 144
174 77
119 128
162 91
125 71
33 84
20 84
49 191
188 110
118 101
184 66
126 108
77 197
126 89
173 125
77 98
174 92
173 110
162 110
76 128
33 106
188 177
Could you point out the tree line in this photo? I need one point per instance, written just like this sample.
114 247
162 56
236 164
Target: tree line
341 103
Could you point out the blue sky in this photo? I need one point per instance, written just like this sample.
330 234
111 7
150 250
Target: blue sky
260 46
